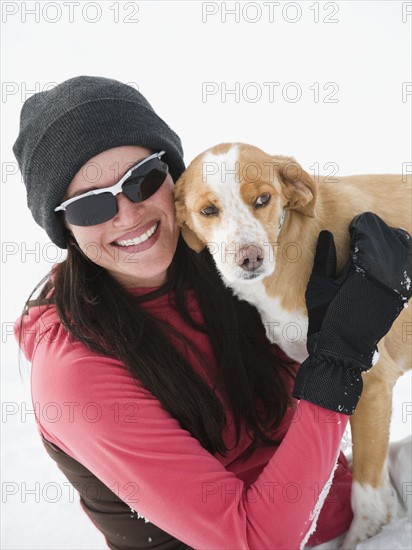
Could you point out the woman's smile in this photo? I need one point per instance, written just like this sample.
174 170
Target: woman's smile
139 240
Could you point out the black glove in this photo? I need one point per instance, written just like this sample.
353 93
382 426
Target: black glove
350 313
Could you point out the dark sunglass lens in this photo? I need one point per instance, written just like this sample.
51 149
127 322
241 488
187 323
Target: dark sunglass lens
138 188
92 210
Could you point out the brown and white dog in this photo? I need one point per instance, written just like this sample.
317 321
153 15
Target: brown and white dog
231 199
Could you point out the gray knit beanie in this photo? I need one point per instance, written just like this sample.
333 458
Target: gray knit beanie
61 129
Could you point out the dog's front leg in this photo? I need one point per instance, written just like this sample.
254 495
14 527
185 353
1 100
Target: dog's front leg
372 496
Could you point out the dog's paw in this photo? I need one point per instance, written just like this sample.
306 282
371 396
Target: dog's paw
372 508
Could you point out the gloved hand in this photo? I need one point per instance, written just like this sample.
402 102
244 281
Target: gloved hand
351 312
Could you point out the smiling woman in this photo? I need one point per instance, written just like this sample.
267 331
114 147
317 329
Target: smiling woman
195 422
138 240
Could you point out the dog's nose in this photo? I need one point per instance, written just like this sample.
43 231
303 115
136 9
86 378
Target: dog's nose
250 257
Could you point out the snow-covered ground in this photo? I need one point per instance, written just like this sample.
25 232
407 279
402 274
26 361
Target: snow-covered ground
40 510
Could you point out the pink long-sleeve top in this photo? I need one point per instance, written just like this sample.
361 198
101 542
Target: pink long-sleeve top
95 411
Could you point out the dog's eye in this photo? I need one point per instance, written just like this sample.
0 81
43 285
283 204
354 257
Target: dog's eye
209 211
262 200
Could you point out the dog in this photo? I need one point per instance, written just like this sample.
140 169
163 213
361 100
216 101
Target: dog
260 216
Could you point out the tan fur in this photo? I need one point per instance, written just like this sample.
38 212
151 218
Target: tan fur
311 207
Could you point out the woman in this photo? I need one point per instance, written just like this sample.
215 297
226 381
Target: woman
160 397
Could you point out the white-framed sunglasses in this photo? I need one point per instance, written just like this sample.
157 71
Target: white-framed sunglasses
100 205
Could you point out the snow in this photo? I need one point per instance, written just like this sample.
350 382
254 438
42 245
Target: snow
396 535
314 516
140 516
406 281
375 357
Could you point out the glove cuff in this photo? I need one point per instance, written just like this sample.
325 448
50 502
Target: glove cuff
333 383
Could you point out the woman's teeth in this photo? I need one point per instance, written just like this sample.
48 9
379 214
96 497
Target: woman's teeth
140 239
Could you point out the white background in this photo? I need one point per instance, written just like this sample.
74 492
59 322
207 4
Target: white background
170 50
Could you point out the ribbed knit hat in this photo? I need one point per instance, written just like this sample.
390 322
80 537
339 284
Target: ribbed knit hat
61 129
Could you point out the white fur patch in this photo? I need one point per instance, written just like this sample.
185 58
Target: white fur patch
287 329
372 508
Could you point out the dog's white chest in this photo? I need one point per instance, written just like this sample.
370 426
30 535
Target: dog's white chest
287 329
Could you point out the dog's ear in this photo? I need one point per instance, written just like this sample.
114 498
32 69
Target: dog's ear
298 187
182 216
191 239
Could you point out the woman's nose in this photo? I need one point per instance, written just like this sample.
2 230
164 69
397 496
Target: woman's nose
127 211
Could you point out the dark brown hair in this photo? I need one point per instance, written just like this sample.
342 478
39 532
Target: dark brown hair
97 310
